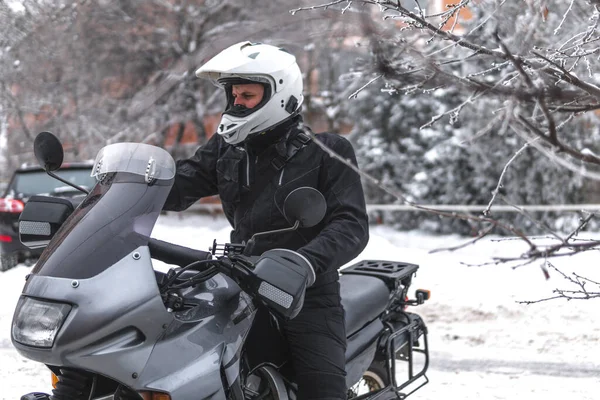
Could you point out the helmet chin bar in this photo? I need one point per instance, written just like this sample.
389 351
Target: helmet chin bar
235 117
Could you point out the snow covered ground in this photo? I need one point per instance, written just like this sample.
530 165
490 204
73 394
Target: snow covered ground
484 343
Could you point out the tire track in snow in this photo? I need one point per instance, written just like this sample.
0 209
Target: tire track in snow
440 361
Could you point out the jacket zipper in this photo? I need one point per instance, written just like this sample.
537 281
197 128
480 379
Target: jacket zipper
247 169
247 165
281 176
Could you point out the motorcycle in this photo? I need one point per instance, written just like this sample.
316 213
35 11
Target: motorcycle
108 326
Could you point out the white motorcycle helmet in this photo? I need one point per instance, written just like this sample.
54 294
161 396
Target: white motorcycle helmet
248 62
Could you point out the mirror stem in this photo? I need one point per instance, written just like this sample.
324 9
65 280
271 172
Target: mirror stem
293 228
52 174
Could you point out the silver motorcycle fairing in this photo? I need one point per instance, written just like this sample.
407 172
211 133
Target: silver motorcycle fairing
116 319
186 362
118 326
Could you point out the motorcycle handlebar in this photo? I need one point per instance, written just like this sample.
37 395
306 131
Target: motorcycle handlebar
174 254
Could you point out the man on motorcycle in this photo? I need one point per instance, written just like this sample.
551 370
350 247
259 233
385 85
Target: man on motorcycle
261 153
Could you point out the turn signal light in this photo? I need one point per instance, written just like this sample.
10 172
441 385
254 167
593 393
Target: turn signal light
54 380
422 295
155 396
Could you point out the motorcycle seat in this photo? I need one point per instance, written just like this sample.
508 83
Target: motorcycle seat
364 298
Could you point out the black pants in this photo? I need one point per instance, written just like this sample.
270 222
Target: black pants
317 345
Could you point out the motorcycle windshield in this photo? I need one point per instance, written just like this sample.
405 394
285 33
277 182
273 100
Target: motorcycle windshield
133 181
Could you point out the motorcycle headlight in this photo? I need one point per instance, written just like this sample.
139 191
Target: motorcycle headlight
36 322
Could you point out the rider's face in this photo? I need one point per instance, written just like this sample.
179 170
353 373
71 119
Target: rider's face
247 95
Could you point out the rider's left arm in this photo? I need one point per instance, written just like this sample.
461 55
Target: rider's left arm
346 230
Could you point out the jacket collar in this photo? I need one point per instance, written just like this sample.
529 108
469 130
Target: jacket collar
278 136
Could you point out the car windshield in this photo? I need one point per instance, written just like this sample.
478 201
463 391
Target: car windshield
27 183
116 217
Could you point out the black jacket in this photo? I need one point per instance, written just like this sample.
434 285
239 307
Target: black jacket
233 172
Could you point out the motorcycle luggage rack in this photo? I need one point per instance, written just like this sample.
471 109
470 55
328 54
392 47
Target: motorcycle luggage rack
414 329
389 271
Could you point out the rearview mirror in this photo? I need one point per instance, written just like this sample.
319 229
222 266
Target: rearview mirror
305 205
41 219
48 151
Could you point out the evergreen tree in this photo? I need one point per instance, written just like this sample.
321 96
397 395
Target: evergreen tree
450 161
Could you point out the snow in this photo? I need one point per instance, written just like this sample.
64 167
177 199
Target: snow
15 5
483 343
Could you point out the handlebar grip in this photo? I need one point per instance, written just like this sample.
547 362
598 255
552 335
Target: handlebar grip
174 254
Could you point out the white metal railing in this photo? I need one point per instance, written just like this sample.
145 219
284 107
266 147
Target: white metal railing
480 208
216 207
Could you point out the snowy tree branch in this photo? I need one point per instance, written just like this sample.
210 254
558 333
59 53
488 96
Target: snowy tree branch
496 191
531 60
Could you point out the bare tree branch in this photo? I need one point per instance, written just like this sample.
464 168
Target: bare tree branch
581 291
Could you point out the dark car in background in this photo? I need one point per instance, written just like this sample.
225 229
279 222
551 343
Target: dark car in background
26 182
